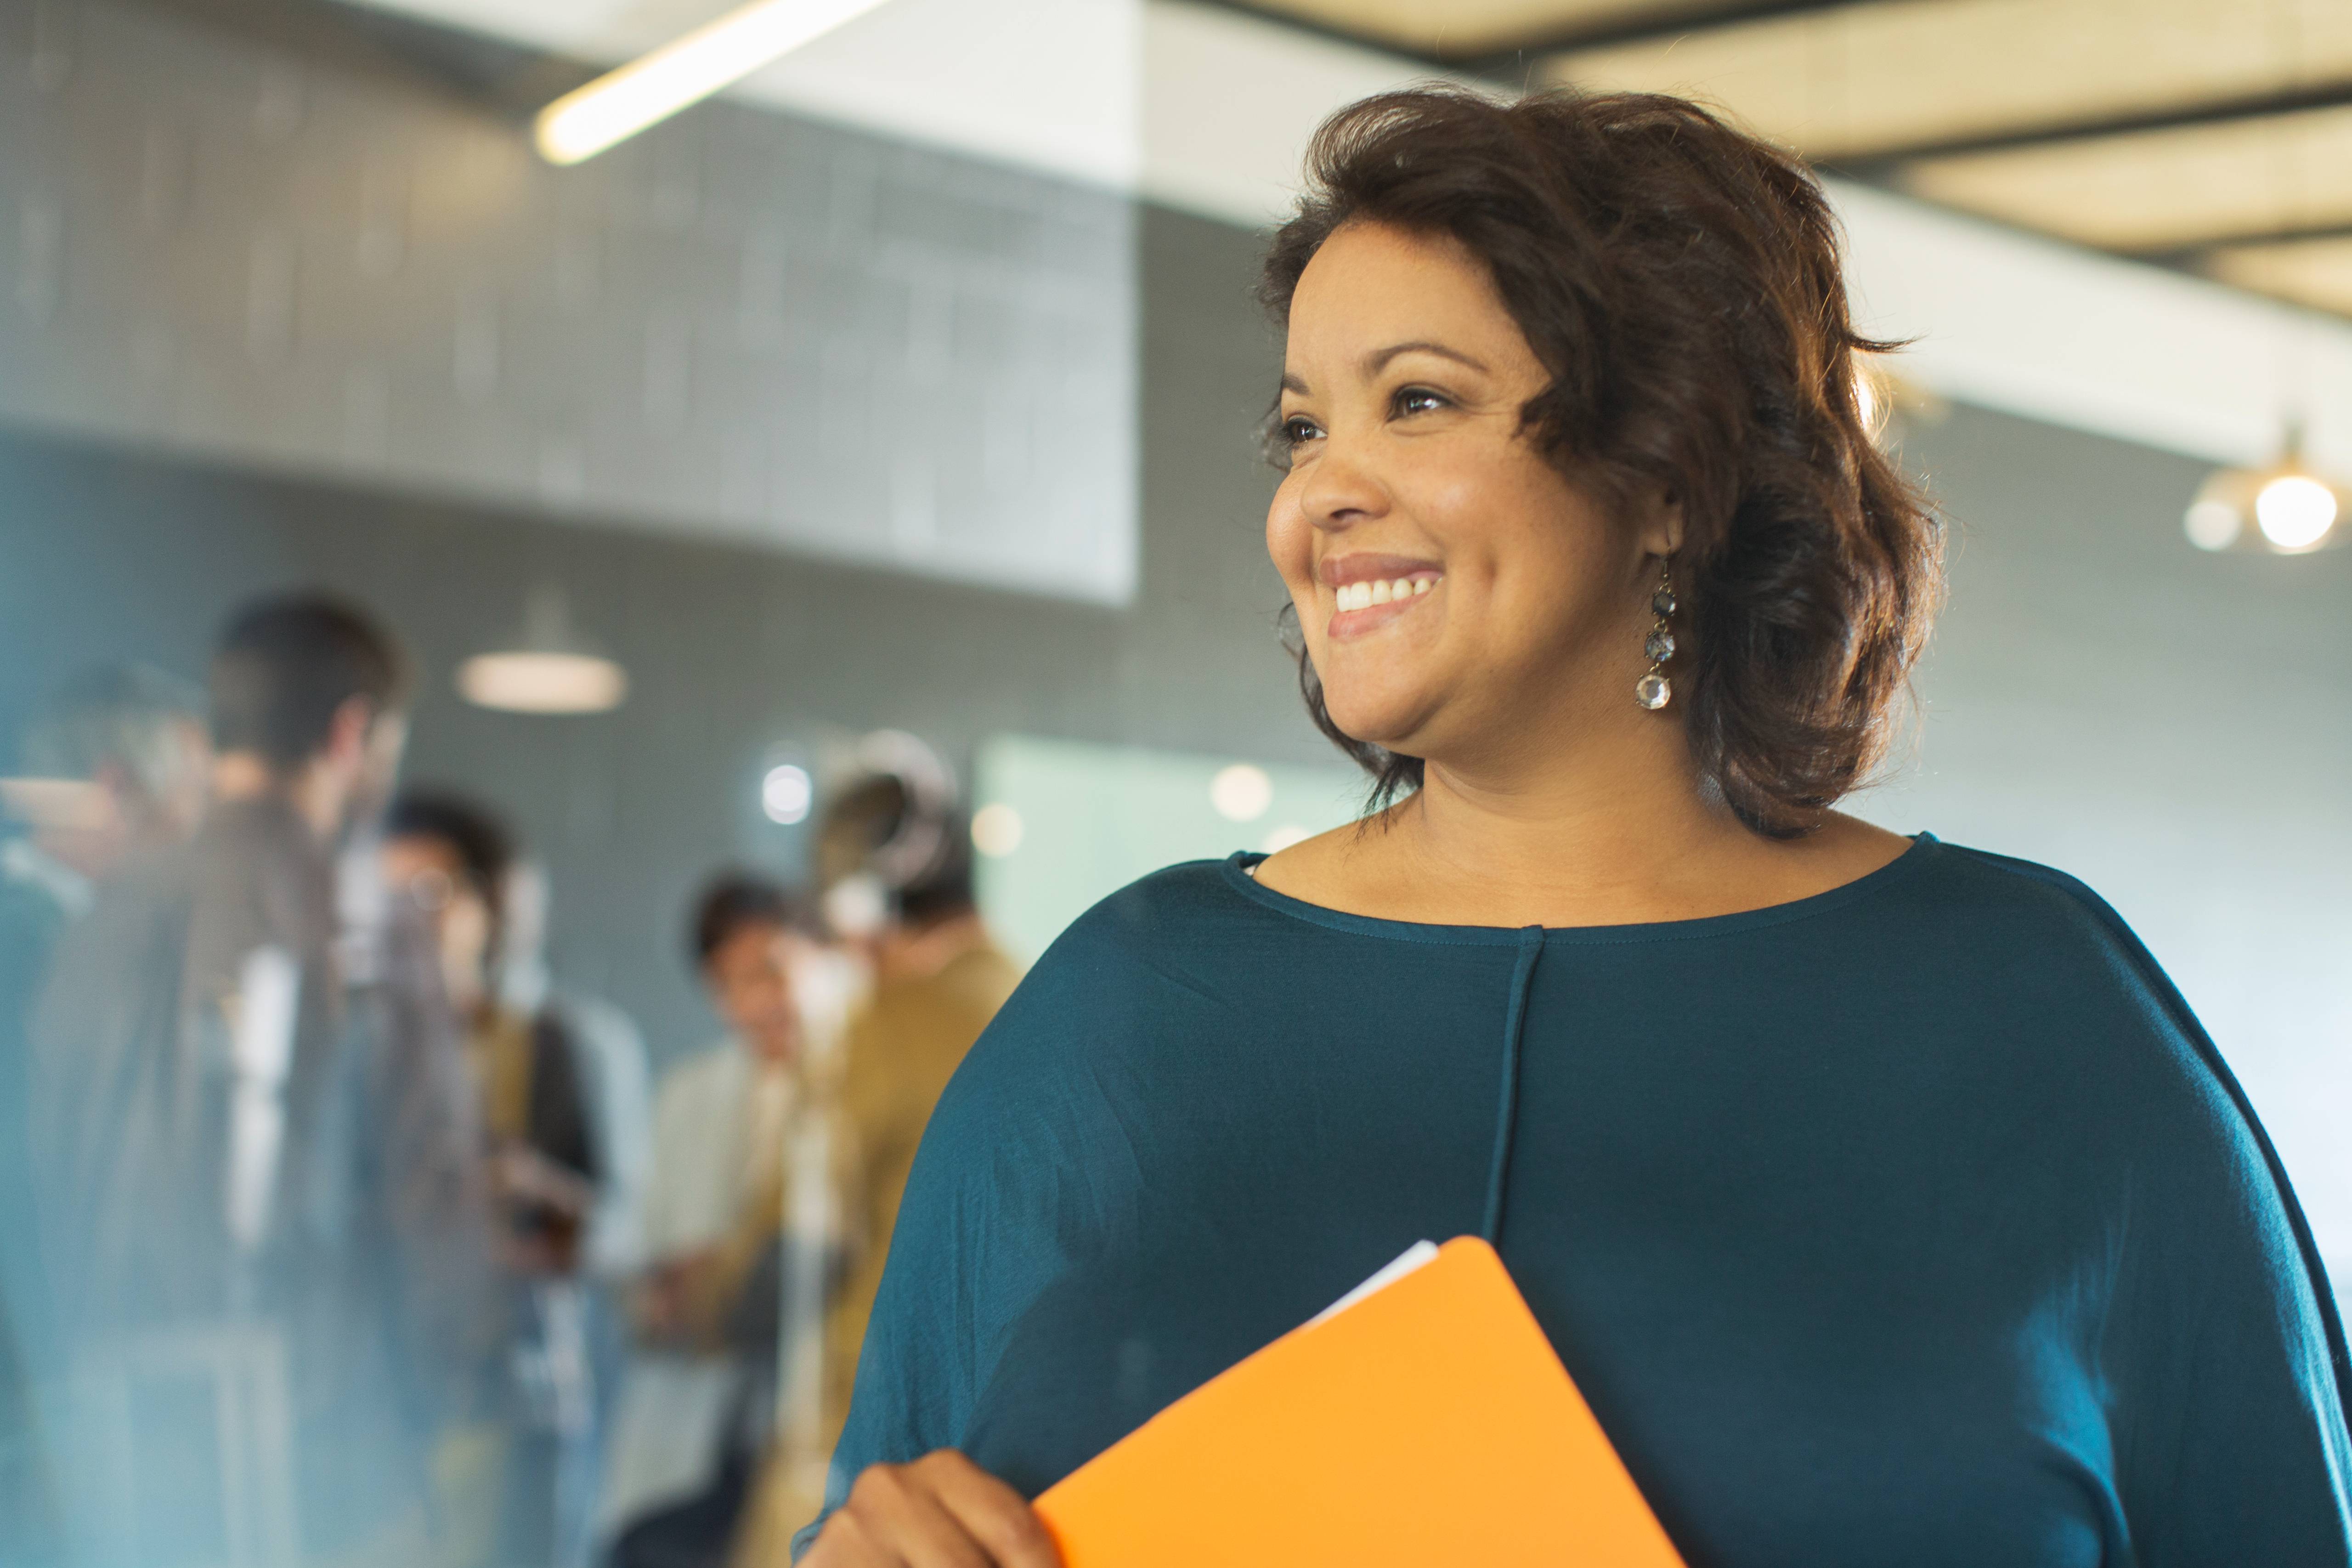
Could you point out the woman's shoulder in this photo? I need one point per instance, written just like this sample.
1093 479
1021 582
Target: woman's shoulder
2019 911
2040 946
1120 980
2033 952
1189 895
2013 878
1170 917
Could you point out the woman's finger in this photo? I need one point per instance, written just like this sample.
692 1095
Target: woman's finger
996 1516
844 1542
898 1508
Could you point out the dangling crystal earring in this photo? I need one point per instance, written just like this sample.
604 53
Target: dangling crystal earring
1654 690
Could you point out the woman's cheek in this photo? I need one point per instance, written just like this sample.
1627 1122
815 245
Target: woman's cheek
1290 543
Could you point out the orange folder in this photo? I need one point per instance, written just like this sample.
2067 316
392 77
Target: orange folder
1428 1422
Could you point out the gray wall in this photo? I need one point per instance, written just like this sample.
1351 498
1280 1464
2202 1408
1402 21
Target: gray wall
230 241
732 651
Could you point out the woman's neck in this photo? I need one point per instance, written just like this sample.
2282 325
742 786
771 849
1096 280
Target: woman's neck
1627 838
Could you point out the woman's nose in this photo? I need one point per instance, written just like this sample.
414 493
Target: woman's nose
1341 488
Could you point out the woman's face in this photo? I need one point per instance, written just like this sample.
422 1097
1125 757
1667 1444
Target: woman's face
1455 591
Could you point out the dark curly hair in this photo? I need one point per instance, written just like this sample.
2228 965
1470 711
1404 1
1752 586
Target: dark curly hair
1680 282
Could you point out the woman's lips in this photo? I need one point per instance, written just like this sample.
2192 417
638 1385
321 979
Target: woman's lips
1366 605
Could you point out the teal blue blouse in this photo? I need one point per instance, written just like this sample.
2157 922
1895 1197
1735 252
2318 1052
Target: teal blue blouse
1915 1223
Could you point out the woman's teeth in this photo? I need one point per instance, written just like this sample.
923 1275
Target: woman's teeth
1363 595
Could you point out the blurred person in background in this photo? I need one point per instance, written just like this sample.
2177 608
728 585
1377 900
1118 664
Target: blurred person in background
248 1185
938 979
513 1489
700 1397
895 856
611 1059
115 765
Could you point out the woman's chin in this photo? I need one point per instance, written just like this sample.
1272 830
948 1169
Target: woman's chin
1389 725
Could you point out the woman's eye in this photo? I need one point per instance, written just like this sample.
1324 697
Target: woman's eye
1298 430
1418 400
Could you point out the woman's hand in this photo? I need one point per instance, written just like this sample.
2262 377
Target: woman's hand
941 1511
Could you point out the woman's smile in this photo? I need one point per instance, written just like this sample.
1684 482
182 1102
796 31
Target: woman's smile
1370 591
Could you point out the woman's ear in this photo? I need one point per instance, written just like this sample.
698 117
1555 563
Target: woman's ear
1661 515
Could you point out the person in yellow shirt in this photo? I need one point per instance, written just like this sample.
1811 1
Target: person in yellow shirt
895 858
938 980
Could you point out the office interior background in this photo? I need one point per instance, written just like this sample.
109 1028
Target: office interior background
914 382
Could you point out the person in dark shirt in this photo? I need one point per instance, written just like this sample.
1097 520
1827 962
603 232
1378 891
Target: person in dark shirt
252 1218
544 1155
113 767
1882 1197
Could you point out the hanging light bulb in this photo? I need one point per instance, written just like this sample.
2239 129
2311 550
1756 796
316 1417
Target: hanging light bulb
2294 511
2284 509
550 669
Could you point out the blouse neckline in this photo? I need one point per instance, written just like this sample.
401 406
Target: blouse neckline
1238 868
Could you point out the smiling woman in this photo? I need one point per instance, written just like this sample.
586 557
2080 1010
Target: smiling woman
1883 1198
1648 306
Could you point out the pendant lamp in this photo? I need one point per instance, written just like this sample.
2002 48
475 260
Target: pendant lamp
2284 509
547 668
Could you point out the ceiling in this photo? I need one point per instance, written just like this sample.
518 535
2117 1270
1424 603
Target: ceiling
2211 135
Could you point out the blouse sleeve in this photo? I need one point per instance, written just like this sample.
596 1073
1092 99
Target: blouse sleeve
2232 1446
2227 1369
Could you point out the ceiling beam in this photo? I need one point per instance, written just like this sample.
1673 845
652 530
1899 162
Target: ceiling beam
1512 66
2192 255
1671 20
1315 28
1512 63
1885 164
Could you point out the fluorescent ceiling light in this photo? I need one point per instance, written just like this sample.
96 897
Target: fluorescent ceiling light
646 92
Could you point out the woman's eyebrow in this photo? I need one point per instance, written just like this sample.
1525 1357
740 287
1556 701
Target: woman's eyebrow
1378 358
1375 360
